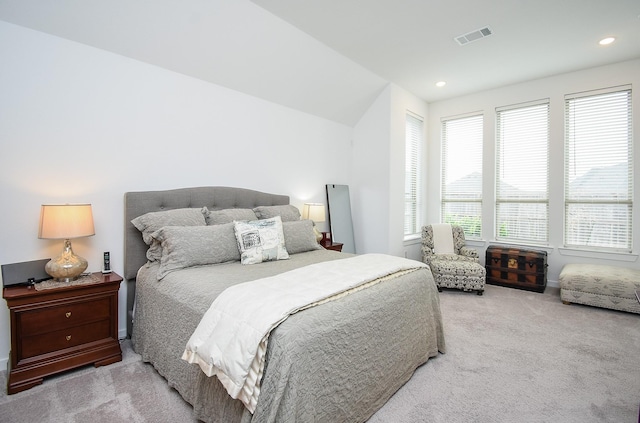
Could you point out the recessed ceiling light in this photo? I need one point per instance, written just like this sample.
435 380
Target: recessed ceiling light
607 41
440 84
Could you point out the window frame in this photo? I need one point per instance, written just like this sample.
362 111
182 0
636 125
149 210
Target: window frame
414 139
571 197
534 117
471 223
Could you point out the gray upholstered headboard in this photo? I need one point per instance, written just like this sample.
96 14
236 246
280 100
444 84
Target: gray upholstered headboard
215 198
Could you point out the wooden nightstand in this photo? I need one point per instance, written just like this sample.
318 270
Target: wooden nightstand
329 245
54 330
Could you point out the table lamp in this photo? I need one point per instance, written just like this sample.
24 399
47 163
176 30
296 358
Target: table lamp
66 221
315 213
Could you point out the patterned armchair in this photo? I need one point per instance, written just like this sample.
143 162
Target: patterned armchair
460 270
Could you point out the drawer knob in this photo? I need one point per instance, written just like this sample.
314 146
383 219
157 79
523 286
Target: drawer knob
68 337
68 314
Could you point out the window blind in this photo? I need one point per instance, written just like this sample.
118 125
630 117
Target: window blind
413 139
462 173
522 172
599 169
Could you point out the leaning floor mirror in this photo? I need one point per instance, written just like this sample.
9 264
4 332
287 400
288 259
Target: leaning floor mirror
340 224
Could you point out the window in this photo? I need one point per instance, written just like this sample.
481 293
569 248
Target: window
598 169
522 173
414 136
462 173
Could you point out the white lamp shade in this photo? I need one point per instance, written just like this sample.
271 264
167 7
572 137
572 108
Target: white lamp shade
313 211
65 221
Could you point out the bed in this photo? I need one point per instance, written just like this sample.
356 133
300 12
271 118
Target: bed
339 361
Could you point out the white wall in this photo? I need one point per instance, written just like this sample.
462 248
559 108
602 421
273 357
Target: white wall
369 177
377 173
402 102
553 88
78 124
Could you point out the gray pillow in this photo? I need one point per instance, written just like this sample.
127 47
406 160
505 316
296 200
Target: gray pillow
149 223
219 217
187 246
260 240
287 212
299 236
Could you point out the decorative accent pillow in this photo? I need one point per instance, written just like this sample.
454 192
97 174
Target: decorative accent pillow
260 240
287 212
149 223
299 236
219 217
187 246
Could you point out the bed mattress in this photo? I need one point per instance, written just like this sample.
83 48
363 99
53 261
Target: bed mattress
340 361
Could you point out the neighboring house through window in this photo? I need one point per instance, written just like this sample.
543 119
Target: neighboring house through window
522 173
599 170
462 173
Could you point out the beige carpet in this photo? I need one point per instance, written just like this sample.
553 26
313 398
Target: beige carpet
513 356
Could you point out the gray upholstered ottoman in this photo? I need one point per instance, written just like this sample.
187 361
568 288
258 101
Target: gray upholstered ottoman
600 286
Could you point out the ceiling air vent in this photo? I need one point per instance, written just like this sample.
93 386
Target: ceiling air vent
473 36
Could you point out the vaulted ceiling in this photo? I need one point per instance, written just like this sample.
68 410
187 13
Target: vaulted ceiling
331 58
412 42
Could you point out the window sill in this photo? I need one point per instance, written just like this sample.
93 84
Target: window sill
478 243
412 240
523 245
573 252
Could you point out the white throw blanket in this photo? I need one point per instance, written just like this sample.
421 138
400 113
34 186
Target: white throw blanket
231 339
442 238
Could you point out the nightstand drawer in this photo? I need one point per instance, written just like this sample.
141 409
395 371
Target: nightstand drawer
65 316
66 338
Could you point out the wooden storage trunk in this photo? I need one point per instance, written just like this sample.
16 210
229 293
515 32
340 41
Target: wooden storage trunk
516 268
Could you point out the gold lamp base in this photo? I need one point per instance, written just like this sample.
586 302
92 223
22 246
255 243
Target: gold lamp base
67 266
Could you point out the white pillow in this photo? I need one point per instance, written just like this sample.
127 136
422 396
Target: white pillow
260 240
442 238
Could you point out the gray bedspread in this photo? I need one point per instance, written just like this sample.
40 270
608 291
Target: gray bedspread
337 362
